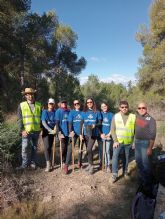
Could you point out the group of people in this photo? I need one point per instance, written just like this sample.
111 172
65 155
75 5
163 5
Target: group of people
122 131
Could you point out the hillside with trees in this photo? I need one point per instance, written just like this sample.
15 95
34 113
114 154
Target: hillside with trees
38 51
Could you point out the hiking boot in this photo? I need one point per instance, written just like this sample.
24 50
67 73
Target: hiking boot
33 165
100 166
21 168
48 166
114 178
65 169
108 169
87 168
91 170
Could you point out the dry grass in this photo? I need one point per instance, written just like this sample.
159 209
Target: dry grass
10 118
27 210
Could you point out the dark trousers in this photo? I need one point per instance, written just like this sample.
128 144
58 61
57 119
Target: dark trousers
69 151
89 141
64 145
48 142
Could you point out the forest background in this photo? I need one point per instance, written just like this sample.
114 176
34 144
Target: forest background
37 51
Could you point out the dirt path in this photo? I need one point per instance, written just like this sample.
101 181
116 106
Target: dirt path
79 195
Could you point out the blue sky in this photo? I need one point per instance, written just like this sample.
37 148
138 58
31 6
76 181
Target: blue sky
106 33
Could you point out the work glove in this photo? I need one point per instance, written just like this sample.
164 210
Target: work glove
81 137
52 132
60 136
71 134
108 137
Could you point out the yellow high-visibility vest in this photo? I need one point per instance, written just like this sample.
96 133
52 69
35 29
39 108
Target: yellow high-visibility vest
31 120
125 133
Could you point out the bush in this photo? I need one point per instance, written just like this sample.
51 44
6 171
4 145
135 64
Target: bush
9 141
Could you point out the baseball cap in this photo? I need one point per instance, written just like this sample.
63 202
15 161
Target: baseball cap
63 101
51 100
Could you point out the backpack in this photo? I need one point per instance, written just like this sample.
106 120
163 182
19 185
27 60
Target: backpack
143 204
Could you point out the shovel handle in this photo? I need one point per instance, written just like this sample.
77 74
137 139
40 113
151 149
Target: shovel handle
103 155
54 150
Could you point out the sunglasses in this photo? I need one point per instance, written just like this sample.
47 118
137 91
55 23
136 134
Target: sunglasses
139 108
89 102
29 94
124 107
76 104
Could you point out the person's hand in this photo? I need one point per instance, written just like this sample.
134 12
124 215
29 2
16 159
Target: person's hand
107 137
93 126
71 134
103 136
149 151
60 136
52 132
81 137
24 134
133 146
116 144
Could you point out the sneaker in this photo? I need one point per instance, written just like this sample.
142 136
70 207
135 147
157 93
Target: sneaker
114 178
65 169
100 166
91 170
33 166
87 168
108 169
48 166
21 168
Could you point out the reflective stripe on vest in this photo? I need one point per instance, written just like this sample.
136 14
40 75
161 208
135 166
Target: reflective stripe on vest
125 133
31 120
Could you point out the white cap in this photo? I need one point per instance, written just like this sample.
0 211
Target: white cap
51 100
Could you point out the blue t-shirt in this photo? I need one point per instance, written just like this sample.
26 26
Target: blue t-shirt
75 117
62 118
91 118
106 122
49 118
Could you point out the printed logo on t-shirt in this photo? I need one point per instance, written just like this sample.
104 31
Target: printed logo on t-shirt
141 122
90 116
65 116
148 118
105 119
78 116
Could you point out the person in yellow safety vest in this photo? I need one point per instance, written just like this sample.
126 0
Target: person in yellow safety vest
122 131
29 117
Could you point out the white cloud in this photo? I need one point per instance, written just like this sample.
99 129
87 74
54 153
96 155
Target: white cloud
119 78
94 59
97 59
116 78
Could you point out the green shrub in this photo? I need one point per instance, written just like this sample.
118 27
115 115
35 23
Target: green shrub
9 141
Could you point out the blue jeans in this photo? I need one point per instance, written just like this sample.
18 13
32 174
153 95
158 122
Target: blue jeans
115 158
107 151
29 143
143 160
